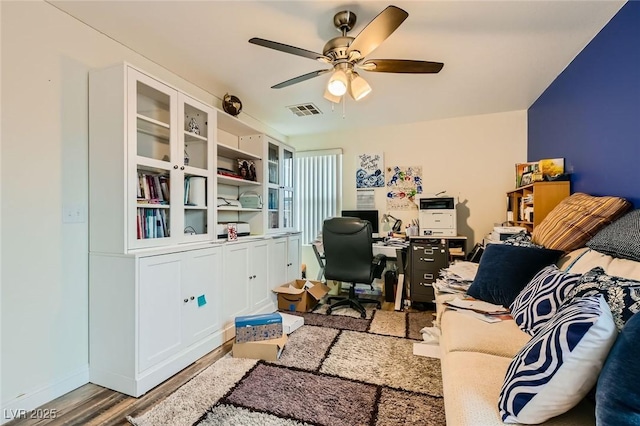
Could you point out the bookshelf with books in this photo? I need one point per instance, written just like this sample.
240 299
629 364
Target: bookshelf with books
528 205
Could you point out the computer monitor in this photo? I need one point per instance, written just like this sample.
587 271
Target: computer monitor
370 215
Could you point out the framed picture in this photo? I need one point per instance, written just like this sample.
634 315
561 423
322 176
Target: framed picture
232 232
247 169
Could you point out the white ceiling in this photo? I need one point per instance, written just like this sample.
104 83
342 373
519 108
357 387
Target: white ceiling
498 55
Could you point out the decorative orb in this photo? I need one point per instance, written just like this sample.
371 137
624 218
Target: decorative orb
231 104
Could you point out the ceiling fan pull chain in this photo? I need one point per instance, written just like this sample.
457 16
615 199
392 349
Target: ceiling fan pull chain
344 107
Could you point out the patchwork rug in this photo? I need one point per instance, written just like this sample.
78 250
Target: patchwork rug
336 370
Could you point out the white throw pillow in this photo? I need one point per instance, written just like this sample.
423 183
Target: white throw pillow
560 364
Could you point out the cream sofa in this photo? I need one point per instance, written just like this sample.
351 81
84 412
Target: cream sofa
475 355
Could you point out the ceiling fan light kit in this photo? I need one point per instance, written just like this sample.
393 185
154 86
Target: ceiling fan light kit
346 53
358 87
338 83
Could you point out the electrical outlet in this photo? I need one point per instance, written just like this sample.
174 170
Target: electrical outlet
73 213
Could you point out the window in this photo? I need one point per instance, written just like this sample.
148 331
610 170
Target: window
319 189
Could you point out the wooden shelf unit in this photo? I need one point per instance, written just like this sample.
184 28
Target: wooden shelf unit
542 197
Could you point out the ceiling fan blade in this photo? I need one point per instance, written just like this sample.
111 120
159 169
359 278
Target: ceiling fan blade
300 78
377 31
290 49
404 66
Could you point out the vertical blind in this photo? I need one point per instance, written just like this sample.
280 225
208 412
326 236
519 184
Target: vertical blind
318 183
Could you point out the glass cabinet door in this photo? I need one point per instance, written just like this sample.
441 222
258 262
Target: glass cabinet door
152 147
274 163
195 151
280 189
287 188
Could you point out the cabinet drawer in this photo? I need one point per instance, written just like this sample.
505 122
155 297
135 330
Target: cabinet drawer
422 291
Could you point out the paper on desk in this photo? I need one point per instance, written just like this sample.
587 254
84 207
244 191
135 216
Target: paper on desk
478 306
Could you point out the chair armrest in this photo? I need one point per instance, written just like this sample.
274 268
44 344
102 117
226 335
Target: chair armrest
378 264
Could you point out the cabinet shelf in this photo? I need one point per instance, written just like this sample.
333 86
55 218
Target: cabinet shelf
237 209
192 137
227 180
186 207
229 152
154 128
153 206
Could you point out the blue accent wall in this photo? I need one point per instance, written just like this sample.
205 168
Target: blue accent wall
590 114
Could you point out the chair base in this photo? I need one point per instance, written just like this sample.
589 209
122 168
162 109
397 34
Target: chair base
352 301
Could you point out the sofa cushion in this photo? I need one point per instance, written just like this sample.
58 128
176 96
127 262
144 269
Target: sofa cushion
504 271
542 296
560 364
568 259
621 238
462 332
576 219
618 393
622 294
471 384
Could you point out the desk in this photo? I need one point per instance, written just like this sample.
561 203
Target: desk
389 251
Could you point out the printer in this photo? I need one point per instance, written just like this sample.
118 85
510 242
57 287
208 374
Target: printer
437 217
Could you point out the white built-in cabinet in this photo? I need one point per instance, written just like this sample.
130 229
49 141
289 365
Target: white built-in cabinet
164 287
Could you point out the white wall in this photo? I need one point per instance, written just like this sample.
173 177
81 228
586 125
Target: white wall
472 158
46 56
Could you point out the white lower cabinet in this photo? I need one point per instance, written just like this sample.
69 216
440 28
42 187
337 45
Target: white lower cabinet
278 259
246 278
151 316
293 258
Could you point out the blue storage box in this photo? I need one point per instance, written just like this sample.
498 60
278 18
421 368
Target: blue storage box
253 328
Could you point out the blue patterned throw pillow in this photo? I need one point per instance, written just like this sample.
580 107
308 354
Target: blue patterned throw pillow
540 299
521 239
622 294
560 364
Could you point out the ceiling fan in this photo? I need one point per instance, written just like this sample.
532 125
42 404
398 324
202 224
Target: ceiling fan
346 54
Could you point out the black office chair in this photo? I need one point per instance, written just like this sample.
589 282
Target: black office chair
348 256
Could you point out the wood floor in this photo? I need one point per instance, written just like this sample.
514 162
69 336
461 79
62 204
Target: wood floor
93 405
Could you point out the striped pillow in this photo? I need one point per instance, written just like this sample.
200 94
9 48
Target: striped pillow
540 299
576 220
560 364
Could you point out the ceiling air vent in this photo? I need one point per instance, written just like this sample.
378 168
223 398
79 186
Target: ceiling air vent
304 109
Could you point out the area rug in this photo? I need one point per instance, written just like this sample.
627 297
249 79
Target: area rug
328 374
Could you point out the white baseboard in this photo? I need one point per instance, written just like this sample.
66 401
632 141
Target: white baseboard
22 406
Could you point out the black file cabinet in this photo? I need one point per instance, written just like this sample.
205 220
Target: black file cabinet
426 257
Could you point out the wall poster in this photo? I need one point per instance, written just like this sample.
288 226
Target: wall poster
369 171
404 183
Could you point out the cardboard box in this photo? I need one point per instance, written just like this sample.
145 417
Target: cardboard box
300 295
253 328
291 323
268 350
